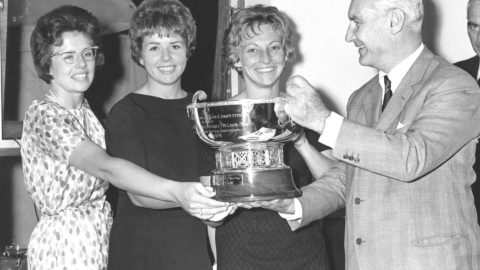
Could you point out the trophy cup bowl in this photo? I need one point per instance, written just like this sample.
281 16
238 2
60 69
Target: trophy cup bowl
249 139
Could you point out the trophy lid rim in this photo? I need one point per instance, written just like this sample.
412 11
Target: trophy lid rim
237 102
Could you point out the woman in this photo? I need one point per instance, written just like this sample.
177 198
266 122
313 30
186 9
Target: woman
257 43
65 166
150 127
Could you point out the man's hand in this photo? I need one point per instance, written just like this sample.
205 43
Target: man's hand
304 104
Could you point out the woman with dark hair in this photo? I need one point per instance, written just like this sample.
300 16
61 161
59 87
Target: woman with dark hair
65 165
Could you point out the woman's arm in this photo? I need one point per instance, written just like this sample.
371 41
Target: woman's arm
142 201
123 140
193 197
318 162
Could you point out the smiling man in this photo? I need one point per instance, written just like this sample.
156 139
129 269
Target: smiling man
405 149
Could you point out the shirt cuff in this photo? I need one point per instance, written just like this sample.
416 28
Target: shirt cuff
297 215
333 123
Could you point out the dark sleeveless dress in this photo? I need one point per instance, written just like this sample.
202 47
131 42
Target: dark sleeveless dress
261 239
155 134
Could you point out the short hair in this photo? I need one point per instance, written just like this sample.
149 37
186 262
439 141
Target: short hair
162 17
246 21
412 8
49 30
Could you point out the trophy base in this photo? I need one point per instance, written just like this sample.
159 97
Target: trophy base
254 184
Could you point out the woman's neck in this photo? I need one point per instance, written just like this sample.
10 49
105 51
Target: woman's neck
66 100
255 93
173 91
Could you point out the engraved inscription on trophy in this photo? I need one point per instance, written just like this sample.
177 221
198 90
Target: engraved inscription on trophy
249 140
229 180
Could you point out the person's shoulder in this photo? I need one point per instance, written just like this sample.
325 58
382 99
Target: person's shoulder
43 108
128 109
445 70
126 100
43 114
127 103
433 67
442 76
470 65
467 62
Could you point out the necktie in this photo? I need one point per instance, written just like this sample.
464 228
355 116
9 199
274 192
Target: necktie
388 92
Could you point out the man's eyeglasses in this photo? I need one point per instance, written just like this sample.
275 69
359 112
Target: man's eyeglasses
88 54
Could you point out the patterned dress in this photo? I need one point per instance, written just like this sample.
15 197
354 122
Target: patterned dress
74 227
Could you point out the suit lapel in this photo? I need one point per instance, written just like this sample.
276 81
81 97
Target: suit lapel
405 90
372 104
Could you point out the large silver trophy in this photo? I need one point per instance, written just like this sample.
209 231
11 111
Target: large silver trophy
249 138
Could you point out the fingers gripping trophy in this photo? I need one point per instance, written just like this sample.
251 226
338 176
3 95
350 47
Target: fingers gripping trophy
249 135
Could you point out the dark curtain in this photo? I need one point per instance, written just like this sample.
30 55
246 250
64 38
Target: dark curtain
220 70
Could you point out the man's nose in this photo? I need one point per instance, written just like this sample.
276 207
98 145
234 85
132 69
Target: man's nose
349 36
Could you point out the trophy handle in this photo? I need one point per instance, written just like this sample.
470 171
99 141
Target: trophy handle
198 96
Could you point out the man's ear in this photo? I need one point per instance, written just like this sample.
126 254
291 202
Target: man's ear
397 20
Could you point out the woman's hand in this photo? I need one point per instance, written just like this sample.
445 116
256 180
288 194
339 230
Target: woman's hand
282 116
195 198
220 216
284 206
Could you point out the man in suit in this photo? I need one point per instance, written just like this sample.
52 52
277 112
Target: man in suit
473 26
471 66
404 170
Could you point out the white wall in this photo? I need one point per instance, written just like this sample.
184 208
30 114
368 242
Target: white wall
331 64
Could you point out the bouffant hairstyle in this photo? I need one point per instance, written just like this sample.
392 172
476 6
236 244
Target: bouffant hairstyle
162 17
49 30
246 22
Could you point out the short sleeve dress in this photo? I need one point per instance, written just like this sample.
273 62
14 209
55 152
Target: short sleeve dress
157 135
73 230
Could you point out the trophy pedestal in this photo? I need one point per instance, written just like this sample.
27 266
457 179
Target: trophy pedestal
252 171
254 185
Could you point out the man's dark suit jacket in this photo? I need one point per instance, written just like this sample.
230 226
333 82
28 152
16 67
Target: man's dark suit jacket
471 66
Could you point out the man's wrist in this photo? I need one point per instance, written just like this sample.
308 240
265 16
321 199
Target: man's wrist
331 129
322 122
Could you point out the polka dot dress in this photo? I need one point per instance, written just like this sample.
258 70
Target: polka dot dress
74 227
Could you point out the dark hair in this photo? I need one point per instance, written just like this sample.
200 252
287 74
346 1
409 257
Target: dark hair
163 18
49 30
246 21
